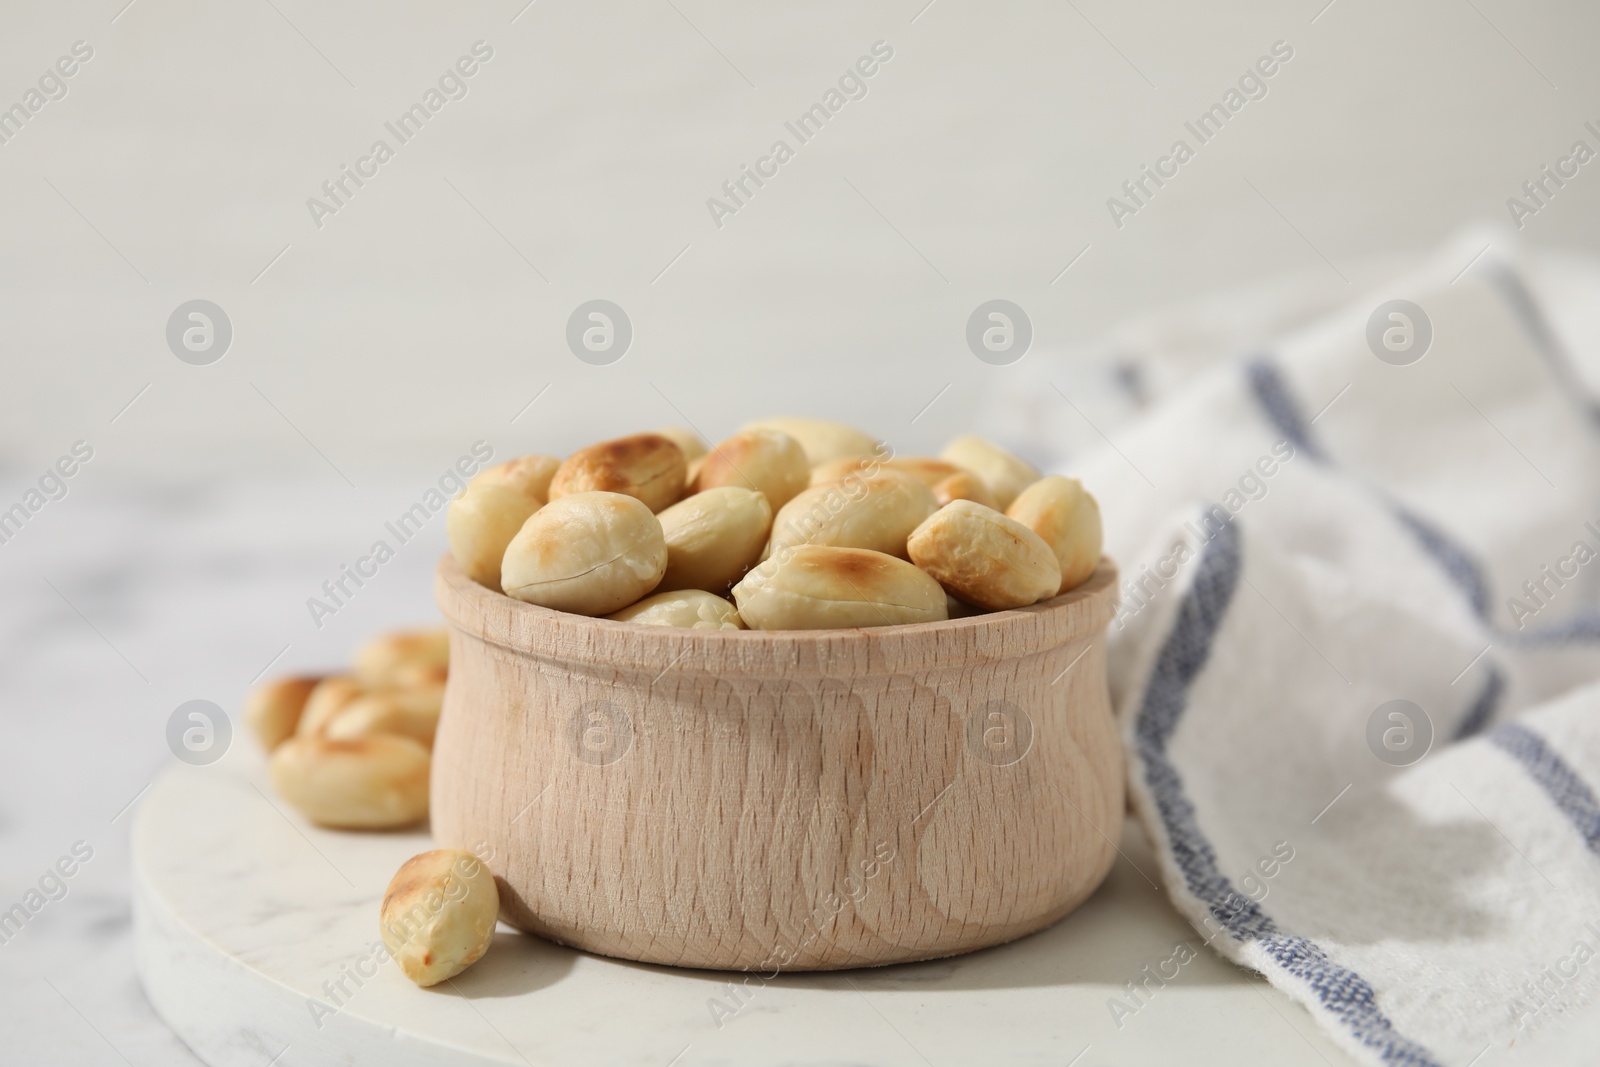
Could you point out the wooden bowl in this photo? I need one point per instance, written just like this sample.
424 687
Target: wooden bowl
794 800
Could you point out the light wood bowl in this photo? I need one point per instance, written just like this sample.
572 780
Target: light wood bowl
795 800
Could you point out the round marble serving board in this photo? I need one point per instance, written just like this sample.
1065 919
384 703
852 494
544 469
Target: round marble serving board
243 911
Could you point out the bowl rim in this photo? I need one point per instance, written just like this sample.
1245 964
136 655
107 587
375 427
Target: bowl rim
544 633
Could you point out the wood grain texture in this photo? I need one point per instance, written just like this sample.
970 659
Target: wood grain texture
796 800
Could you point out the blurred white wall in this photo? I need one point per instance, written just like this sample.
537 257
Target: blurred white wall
432 307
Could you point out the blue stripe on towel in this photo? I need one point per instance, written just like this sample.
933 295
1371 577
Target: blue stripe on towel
1338 989
1566 790
1527 309
1278 404
1281 409
1482 709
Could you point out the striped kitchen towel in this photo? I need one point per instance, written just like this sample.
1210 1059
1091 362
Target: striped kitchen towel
1357 663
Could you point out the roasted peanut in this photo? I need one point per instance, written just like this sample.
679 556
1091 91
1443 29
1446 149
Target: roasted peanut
692 609
835 471
359 783
646 466
767 461
689 442
1005 474
1063 513
929 472
959 609
822 440
925 469
273 710
714 537
438 914
412 713
587 553
814 587
527 474
326 699
482 521
692 476
419 675
387 658
964 485
985 558
877 513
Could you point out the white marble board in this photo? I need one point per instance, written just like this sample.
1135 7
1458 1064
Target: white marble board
243 911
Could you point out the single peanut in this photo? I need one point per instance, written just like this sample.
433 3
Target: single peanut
272 711
964 485
878 513
417 674
386 658
529 474
767 461
692 476
1005 474
713 538
1067 517
438 914
326 699
835 471
985 558
925 469
822 440
646 466
960 609
361 783
692 609
689 442
412 713
484 519
813 587
587 553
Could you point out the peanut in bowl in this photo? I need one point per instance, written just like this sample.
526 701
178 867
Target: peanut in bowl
780 799
788 703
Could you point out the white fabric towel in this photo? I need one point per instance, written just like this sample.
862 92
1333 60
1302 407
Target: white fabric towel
1357 664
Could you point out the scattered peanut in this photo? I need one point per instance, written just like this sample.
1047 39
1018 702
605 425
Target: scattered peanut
646 466
767 461
1005 474
326 699
693 609
273 710
813 587
877 513
438 914
387 658
360 783
484 519
412 713
1063 513
714 537
587 553
985 558
822 440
